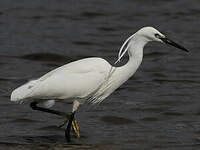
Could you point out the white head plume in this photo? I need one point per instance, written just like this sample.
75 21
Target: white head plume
126 43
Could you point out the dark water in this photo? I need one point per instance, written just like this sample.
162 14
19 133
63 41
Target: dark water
158 108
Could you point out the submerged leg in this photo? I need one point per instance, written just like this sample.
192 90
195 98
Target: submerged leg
72 123
75 126
67 130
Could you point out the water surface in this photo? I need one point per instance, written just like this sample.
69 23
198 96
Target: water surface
158 108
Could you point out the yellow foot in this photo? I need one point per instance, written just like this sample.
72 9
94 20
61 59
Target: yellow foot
64 122
75 126
76 129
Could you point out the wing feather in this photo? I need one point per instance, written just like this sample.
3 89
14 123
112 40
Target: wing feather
74 80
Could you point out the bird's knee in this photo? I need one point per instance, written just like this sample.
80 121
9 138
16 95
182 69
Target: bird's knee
75 106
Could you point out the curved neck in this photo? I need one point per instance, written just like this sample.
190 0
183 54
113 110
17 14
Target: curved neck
135 50
135 53
123 73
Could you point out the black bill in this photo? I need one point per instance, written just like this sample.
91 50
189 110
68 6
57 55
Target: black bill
170 42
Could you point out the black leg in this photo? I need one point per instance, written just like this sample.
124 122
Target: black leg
68 129
34 106
70 117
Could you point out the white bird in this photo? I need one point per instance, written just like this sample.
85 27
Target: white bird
87 80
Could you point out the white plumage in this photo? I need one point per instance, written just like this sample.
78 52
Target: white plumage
90 79
76 80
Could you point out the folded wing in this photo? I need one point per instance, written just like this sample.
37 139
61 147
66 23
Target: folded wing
72 81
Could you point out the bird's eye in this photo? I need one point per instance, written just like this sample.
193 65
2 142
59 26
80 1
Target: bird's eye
157 35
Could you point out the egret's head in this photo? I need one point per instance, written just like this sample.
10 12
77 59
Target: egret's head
146 35
151 34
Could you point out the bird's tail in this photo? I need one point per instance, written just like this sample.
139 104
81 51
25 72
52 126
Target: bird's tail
21 94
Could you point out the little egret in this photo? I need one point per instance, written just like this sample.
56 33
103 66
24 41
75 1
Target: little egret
87 80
